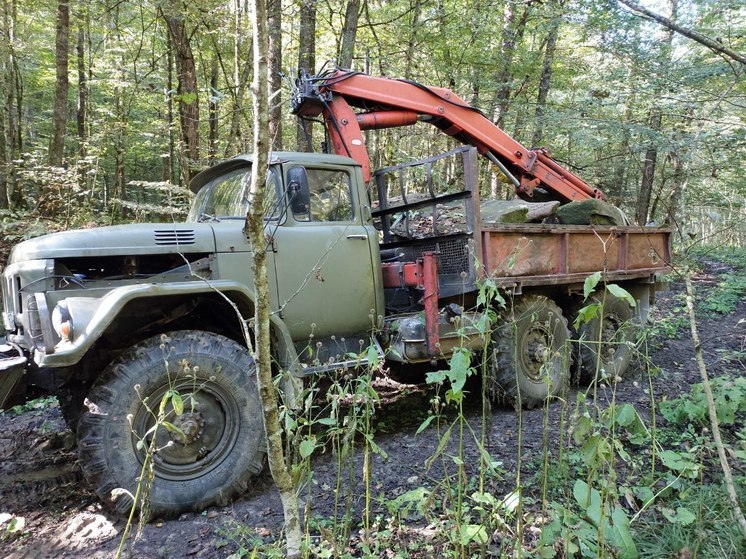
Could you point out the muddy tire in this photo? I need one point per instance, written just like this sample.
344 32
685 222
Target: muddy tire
221 444
607 346
531 352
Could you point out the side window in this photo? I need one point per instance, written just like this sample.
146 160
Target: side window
271 206
330 195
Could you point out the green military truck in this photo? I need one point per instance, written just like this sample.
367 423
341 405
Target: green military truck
111 319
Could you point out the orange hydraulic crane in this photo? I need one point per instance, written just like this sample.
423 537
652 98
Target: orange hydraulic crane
389 102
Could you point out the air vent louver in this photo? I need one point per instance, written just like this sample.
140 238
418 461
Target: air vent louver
174 237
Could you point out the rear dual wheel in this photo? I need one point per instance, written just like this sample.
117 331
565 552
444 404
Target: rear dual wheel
531 352
218 442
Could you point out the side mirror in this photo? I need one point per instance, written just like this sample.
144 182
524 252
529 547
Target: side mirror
298 192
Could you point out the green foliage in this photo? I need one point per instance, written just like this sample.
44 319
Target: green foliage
32 405
700 522
727 295
729 394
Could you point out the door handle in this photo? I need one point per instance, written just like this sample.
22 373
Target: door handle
358 236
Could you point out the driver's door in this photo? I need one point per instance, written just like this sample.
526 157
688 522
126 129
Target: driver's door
324 269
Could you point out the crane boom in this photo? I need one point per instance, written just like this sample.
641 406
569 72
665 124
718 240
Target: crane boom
388 102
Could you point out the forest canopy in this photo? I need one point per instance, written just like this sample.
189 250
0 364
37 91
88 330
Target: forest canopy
110 107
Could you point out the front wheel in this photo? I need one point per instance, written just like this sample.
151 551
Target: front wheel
209 439
532 357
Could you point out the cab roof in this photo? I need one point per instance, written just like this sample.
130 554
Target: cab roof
275 157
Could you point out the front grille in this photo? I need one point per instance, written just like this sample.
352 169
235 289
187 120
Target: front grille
174 237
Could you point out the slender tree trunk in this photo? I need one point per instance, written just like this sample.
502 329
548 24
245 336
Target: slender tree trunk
82 108
306 61
6 100
4 160
648 173
545 82
274 22
349 33
82 112
120 124
412 42
169 171
512 33
642 206
188 94
59 116
13 104
711 408
212 143
255 229
448 67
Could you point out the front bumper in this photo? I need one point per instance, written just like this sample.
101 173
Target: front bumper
12 364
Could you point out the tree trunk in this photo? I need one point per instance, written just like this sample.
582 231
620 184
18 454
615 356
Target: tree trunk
412 43
120 124
306 61
274 21
711 407
82 112
6 97
642 206
241 77
255 229
82 108
448 66
212 142
512 34
4 160
13 102
648 173
187 93
349 33
169 171
545 81
59 116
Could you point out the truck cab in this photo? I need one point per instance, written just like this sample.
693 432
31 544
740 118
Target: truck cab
323 255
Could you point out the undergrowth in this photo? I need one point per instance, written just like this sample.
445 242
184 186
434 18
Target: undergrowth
610 477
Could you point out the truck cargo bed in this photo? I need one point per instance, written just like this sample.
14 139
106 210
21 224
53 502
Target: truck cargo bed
539 254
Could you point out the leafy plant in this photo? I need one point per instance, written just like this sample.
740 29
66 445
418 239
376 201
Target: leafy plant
699 521
724 299
730 400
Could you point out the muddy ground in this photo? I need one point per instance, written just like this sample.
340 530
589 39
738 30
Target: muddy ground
41 482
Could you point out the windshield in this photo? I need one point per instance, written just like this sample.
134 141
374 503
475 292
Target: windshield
227 197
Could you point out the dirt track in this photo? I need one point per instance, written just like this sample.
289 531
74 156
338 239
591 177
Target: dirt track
40 480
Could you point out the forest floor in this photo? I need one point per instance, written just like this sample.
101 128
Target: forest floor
41 481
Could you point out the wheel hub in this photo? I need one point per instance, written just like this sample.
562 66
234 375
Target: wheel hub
536 353
204 434
191 425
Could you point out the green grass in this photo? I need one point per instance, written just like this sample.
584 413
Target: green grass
702 524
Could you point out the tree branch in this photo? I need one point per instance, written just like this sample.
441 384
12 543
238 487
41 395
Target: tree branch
694 35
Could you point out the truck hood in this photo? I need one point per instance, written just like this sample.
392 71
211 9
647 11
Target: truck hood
132 239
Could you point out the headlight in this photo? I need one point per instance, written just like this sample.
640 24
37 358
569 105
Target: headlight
62 321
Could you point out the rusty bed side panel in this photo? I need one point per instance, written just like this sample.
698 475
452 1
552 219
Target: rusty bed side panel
547 254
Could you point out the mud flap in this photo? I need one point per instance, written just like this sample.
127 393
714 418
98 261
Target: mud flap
12 364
